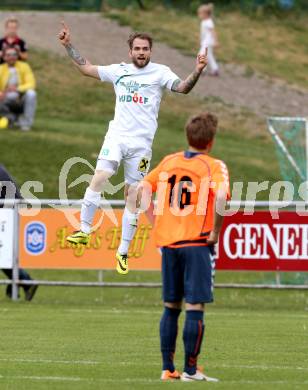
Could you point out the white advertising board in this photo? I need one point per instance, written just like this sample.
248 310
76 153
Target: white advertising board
6 237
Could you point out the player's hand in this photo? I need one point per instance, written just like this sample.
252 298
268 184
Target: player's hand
64 34
201 61
213 238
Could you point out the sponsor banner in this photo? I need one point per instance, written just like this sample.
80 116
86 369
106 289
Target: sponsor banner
253 242
6 237
43 243
259 242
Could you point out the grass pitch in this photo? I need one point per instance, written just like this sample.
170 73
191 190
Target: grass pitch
90 338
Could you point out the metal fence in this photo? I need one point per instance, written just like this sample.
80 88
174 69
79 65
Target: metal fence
16 204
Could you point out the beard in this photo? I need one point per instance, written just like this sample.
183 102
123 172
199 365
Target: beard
140 63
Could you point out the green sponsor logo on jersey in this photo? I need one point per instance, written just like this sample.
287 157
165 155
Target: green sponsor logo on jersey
133 86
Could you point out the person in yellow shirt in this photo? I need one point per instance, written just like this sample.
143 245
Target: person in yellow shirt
17 92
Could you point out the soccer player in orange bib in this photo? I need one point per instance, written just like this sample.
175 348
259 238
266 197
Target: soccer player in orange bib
192 189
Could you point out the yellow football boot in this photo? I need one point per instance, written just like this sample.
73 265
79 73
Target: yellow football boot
79 237
122 266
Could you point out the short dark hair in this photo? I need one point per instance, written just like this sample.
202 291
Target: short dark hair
140 35
201 130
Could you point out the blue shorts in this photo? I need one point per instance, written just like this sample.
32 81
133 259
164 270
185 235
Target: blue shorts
188 272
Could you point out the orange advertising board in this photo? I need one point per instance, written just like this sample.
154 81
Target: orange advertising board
43 244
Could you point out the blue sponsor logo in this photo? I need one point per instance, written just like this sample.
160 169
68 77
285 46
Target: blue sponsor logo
35 238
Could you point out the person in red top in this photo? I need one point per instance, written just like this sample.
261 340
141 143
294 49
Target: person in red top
12 40
191 189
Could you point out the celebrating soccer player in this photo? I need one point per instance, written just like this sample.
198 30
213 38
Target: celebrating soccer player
138 87
192 189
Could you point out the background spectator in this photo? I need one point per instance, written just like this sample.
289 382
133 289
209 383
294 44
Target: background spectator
208 36
17 94
23 275
11 39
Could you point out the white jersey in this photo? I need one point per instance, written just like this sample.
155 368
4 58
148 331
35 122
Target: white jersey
206 33
138 95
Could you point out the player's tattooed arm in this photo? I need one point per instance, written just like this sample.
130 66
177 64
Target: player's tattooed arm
185 86
75 55
84 66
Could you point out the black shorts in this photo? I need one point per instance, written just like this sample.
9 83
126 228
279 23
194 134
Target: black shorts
188 272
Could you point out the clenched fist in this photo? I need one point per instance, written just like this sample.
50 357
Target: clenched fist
201 61
64 35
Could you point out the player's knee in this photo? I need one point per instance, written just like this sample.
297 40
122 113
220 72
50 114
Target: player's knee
195 306
99 179
173 305
105 169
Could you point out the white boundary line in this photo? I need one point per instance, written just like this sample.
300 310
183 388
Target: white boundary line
217 313
258 367
49 361
211 313
127 363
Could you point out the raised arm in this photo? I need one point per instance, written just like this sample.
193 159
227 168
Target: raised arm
185 86
83 65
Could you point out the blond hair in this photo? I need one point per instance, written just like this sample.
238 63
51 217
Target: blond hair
11 19
206 9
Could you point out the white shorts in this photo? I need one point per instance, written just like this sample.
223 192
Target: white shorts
134 152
